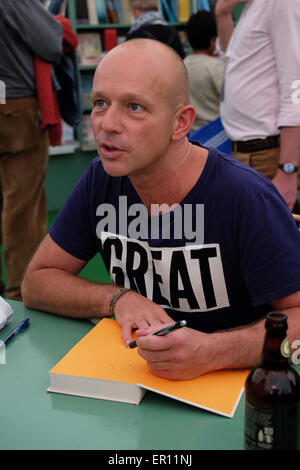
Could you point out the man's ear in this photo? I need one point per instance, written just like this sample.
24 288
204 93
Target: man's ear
183 122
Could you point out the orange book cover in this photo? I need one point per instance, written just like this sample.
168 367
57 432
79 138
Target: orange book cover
101 366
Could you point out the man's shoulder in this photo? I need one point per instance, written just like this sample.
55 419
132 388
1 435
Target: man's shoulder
235 175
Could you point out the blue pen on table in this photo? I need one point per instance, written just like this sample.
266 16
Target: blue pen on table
162 331
18 329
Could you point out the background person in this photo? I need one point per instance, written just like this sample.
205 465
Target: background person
257 109
27 29
205 72
150 24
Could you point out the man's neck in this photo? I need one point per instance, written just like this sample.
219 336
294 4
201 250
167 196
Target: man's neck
171 183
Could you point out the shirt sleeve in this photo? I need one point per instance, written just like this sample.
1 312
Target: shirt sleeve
284 30
72 229
41 33
269 246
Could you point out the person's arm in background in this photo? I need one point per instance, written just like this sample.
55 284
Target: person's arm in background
224 21
41 33
287 185
284 31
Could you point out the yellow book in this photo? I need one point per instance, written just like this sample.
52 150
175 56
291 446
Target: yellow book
100 366
184 11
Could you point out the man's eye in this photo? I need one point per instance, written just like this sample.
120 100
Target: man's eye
100 103
135 107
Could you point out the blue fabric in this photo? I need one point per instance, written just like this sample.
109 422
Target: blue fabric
213 135
249 254
69 94
66 81
203 5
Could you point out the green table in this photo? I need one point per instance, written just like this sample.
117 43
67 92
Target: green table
32 418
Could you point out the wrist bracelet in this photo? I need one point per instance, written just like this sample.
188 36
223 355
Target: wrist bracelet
115 297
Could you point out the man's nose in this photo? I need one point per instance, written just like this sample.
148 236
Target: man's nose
111 120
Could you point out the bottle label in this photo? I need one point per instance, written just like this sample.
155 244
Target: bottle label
284 348
271 428
259 428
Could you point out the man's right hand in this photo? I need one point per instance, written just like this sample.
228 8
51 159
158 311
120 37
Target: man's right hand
134 311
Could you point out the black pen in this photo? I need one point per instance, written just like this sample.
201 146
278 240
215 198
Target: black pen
162 331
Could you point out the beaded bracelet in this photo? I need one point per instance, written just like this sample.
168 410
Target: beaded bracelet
115 297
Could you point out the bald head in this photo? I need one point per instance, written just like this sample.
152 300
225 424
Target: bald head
144 56
140 114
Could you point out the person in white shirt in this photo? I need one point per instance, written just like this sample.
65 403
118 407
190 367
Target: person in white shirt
205 72
260 107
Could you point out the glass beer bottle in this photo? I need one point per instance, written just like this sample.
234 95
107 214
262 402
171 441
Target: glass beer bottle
272 393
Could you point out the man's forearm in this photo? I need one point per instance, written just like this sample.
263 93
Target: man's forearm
242 347
66 294
225 29
290 145
287 184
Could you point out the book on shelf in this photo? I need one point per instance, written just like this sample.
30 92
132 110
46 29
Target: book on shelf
88 140
101 10
183 11
203 5
128 18
120 12
56 7
82 14
86 89
110 39
111 12
168 10
101 366
94 12
89 48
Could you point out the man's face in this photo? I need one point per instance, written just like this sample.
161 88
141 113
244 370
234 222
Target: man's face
132 117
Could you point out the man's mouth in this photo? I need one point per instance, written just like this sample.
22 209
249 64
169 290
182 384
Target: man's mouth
109 149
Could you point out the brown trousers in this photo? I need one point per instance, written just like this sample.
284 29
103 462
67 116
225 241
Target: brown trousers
23 164
264 161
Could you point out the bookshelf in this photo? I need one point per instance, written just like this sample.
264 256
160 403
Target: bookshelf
97 34
108 34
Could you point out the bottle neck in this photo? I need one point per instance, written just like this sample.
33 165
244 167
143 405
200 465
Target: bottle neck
275 349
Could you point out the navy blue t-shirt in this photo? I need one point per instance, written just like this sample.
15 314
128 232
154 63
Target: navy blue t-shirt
217 259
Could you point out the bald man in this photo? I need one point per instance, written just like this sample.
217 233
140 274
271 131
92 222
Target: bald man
186 232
